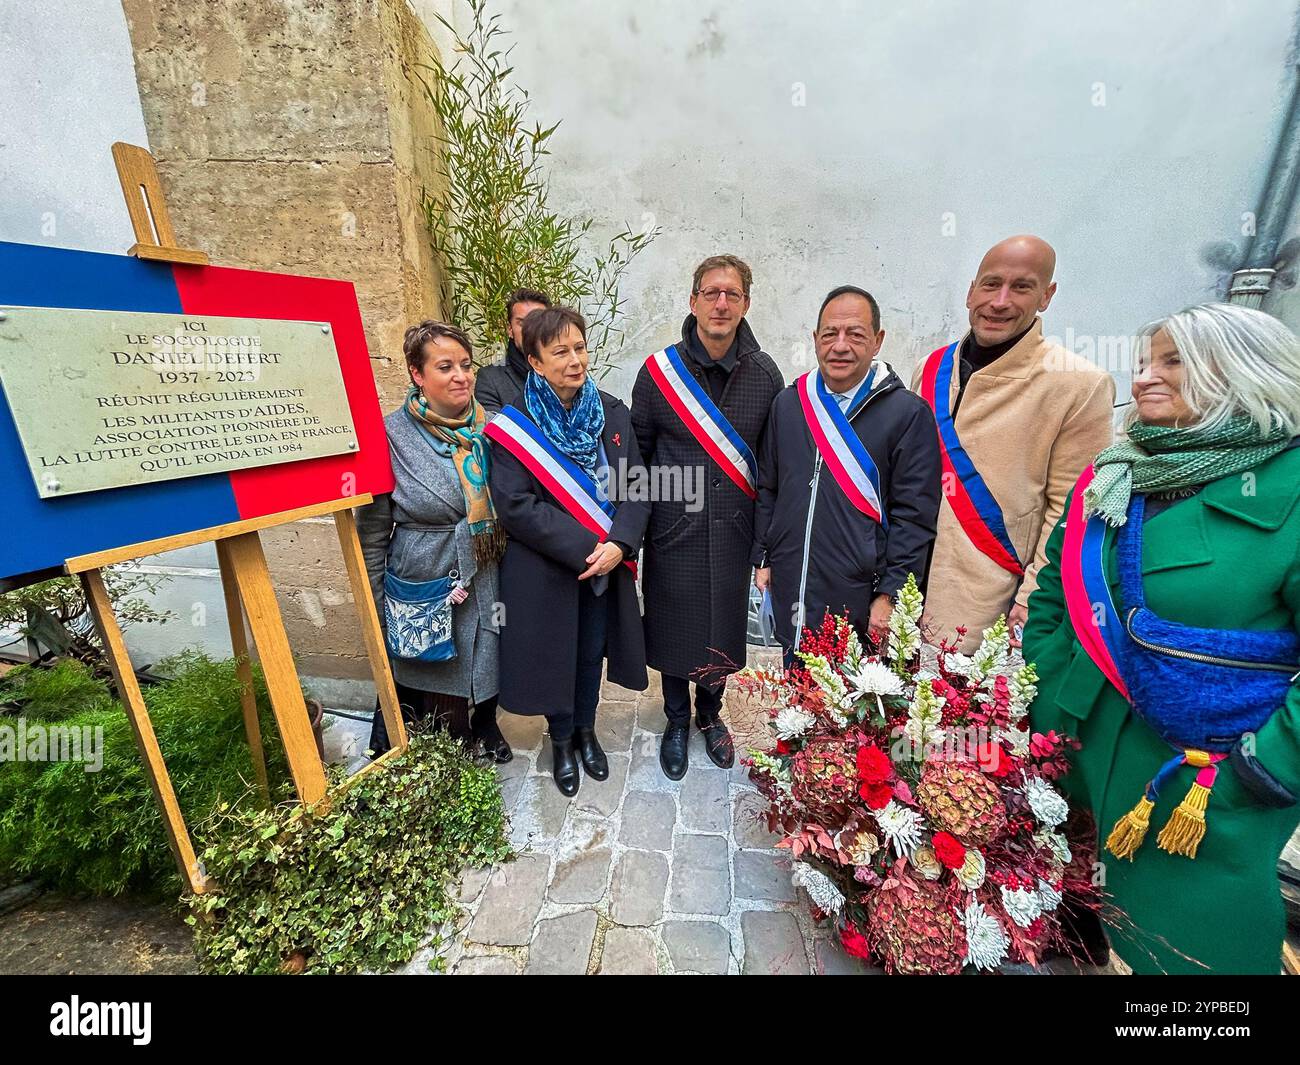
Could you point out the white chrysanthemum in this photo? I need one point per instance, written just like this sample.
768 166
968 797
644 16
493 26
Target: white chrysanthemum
926 862
821 889
972 871
791 722
1056 843
1046 802
986 942
1022 905
901 825
1017 739
1048 897
875 678
958 663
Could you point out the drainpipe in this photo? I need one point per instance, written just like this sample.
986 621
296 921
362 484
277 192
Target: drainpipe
1253 279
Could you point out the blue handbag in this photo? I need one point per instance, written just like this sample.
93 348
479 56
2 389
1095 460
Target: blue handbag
418 618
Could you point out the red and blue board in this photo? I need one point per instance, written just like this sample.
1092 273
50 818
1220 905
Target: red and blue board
39 534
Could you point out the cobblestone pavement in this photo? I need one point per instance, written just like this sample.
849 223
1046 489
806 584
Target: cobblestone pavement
637 873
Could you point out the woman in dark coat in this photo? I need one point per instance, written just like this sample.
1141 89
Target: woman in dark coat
561 458
438 522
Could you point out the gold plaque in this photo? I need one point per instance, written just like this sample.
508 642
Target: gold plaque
104 399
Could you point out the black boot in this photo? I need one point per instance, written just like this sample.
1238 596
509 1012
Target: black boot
564 767
673 758
589 749
488 733
717 740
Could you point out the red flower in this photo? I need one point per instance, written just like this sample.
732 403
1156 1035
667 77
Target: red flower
949 852
854 942
782 747
874 765
876 795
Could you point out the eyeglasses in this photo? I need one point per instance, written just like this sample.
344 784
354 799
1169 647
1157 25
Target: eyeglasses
711 295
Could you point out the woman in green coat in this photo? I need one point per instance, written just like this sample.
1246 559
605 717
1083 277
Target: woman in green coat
1178 562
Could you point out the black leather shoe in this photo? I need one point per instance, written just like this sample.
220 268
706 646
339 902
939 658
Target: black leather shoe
717 742
589 750
488 734
673 758
564 767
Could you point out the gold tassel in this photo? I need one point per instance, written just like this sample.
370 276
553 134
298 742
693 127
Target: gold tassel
1130 830
1186 826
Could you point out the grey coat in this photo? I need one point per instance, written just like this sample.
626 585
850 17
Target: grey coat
420 531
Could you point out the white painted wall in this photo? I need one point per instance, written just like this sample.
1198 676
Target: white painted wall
1134 136
67 82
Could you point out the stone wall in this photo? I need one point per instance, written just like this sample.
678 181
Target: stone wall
295 137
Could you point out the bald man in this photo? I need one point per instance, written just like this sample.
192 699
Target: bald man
1019 418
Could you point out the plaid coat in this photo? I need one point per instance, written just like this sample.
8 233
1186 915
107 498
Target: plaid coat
696 571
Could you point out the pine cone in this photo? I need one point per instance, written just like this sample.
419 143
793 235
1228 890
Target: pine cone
915 929
958 798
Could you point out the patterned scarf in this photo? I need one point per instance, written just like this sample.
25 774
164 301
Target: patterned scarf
1153 458
471 462
575 432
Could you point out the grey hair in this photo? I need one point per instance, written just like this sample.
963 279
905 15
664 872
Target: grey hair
1236 360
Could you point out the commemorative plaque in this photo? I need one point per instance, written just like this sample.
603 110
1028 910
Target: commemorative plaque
103 399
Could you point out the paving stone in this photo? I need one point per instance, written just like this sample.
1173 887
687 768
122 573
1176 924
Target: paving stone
540 812
773 944
615 693
472 882
698 946
763 876
832 961
523 733
614 725
511 902
637 894
748 823
603 796
650 714
487 965
562 946
704 799
649 818
628 952
581 877
646 774
510 789
701 877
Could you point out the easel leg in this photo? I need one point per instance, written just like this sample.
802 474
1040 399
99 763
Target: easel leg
128 690
371 631
244 668
253 579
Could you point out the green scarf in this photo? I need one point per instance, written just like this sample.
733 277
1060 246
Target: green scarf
470 458
1157 459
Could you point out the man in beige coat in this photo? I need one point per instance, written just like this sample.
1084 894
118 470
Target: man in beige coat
1019 418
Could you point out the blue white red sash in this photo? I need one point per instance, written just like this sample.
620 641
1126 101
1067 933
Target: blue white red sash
839 446
977 511
575 492
1087 594
702 417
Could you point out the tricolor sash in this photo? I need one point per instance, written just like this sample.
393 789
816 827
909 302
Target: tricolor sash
839 446
977 511
1088 599
702 417
566 481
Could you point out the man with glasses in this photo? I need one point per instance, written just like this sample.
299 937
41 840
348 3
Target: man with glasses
1018 418
698 410
848 482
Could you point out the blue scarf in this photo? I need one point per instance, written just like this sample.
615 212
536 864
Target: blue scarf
574 432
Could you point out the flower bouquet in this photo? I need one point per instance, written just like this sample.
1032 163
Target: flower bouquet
917 806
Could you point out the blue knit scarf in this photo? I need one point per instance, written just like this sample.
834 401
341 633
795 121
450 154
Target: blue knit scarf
575 432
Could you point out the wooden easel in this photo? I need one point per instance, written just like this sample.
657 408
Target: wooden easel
246 583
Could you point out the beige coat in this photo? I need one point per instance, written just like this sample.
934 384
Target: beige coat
1030 422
